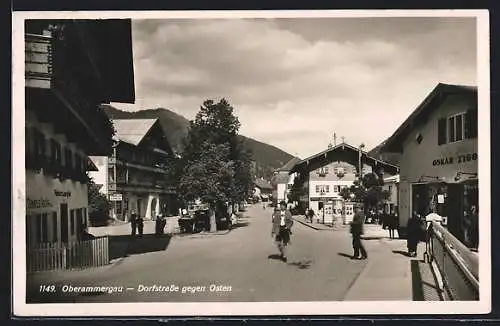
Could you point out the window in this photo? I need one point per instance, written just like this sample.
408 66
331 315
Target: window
457 127
336 188
318 189
68 157
72 221
85 217
55 227
55 151
41 228
390 188
327 188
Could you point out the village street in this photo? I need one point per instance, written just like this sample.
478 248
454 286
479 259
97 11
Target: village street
241 265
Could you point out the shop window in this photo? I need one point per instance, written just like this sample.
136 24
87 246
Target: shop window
41 228
72 222
55 227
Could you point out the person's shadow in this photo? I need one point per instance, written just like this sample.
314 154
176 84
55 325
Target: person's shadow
401 252
344 255
274 257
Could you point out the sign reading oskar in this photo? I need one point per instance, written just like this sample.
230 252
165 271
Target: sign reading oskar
461 158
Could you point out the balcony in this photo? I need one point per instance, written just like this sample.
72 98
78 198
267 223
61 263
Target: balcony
38 60
62 89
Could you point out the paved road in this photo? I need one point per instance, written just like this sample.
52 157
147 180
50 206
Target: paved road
238 266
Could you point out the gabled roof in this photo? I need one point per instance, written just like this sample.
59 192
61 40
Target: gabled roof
342 146
289 165
263 184
132 131
428 106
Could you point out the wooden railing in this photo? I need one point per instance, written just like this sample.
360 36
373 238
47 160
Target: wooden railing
80 254
457 264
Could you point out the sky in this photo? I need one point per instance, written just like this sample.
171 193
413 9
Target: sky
295 82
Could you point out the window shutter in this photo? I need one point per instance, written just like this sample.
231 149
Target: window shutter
441 131
471 124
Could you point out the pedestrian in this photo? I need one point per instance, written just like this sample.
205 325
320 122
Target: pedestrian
414 234
160 224
282 223
140 226
133 222
393 224
357 231
311 215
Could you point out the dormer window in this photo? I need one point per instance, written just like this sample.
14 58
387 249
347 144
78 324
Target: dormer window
323 171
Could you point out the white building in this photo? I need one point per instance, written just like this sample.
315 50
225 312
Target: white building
439 166
391 184
63 122
282 181
323 176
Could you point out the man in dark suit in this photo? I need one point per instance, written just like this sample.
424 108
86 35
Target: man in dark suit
357 231
282 224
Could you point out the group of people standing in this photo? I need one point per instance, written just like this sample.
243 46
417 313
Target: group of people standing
137 224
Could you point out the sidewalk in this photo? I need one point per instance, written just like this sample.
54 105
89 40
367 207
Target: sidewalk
389 274
319 226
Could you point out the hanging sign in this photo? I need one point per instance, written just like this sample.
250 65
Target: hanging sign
115 197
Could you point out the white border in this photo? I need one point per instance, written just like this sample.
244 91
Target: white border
20 308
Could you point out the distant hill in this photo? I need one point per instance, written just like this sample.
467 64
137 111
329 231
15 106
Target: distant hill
392 158
267 157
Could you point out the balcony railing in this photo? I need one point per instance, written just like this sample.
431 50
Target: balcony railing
38 60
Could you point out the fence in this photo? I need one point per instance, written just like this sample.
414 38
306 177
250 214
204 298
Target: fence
80 254
456 263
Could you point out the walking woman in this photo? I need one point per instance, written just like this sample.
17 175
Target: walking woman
282 224
357 231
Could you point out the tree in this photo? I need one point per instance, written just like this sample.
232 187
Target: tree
214 168
370 191
99 204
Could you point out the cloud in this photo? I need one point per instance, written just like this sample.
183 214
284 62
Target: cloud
293 82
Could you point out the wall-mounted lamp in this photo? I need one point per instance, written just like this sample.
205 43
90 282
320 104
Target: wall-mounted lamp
459 175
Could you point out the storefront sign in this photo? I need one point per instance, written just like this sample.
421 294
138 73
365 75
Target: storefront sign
462 158
37 203
115 197
62 193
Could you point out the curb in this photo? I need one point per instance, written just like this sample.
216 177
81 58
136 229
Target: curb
336 228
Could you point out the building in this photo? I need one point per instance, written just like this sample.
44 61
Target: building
391 185
439 162
262 189
135 177
321 178
282 181
71 67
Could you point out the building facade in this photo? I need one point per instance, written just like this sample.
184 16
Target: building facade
391 185
67 78
321 178
282 181
263 189
439 165
135 177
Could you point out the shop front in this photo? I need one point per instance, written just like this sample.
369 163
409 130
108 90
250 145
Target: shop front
56 211
457 203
